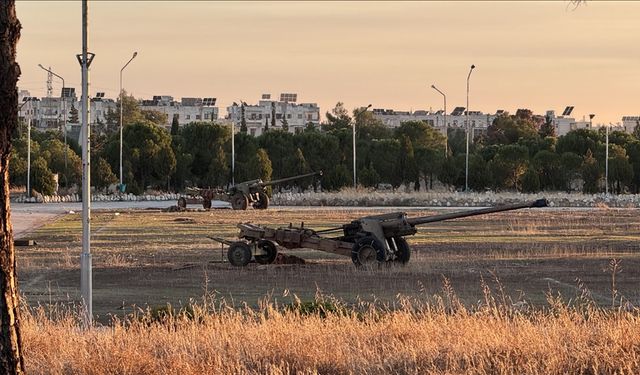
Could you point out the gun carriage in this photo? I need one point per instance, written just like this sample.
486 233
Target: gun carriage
240 196
370 239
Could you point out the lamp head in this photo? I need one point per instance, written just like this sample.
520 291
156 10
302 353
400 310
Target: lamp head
369 106
135 54
433 86
472 66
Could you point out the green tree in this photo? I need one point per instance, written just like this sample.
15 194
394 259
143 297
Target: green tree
218 171
42 179
508 166
175 125
101 174
507 129
243 118
73 115
531 181
338 118
571 165
620 170
368 176
591 173
633 151
149 159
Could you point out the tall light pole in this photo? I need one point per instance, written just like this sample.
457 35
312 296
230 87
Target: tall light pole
466 163
591 116
606 163
355 120
446 133
122 105
86 288
64 126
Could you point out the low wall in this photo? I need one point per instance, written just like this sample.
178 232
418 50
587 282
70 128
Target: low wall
373 198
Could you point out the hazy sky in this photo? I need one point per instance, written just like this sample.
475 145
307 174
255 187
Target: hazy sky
537 55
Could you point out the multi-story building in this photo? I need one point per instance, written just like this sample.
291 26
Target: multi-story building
185 111
630 122
259 117
456 119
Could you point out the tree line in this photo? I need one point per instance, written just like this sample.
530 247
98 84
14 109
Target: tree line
516 153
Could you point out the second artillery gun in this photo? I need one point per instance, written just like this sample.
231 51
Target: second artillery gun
239 195
370 239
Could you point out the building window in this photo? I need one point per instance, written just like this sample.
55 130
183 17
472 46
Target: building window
289 115
197 117
188 117
253 116
278 116
206 116
252 131
309 117
267 115
259 116
300 116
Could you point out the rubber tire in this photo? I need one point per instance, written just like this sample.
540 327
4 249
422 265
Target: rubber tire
206 203
263 201
404 250
182 202
239 254
271 252
367 244
239 202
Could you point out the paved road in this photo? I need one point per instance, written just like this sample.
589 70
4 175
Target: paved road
26 217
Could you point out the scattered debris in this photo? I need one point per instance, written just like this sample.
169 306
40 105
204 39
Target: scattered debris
282 258
24 243
184 220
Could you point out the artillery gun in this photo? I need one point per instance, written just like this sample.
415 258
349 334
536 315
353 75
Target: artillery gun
239 195
370 239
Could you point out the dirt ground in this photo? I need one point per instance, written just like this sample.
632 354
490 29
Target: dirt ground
147 258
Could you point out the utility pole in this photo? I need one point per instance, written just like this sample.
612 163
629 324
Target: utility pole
466 168
86 287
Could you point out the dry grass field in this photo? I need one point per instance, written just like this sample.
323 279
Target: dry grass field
530 291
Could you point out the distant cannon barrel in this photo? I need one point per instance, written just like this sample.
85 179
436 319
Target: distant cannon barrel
281 180
455 215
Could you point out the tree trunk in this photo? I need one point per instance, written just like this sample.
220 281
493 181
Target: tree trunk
11 361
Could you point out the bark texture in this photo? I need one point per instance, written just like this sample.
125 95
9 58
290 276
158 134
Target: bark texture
11 361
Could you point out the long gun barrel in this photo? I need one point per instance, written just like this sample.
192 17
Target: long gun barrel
454 215
273 182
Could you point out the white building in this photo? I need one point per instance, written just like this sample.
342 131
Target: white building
259 116
630 122
456 119
49 112
186 110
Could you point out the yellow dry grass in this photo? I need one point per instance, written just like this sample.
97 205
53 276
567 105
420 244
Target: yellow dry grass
418 338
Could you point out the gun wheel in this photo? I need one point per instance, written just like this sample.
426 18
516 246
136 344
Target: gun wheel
182 202
206 203
239 254
239 202
367 251
268 252
403 251
263 201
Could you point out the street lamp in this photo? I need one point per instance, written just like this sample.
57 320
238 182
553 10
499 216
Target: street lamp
446 133
606 163
122 105
591 116
466 163
28 148
355 120
64 127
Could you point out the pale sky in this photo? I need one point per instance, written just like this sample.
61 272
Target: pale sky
536 55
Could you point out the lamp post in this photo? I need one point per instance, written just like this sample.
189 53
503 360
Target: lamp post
86 287
466 163
28 146
64 126
122 105
355 120
606 163
591 116
446 133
